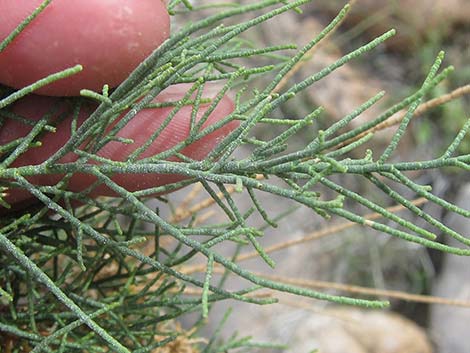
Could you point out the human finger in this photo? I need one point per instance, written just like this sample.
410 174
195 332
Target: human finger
139 130
108 38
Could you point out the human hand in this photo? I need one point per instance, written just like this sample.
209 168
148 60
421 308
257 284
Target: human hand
19 61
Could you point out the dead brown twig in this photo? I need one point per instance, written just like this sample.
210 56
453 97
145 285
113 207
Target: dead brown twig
368 291
399 116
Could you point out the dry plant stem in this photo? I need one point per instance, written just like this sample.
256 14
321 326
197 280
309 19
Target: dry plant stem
198 292
204 217
381 293
183 206
370 291
397 118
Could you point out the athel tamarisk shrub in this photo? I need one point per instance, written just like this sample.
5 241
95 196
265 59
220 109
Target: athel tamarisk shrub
103 109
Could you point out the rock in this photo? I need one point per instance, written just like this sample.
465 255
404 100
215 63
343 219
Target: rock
332 330
449 325
353 330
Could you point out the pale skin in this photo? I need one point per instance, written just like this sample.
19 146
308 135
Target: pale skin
14 64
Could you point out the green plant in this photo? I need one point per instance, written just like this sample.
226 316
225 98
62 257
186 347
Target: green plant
93 279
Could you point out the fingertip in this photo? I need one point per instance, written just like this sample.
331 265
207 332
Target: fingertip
108 38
